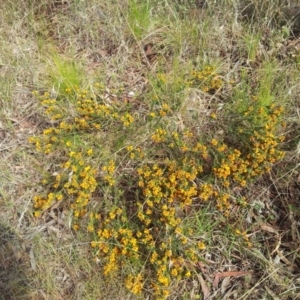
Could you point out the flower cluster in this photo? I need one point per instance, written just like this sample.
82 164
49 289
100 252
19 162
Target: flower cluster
244 236
73 179
207 80
152 232
75 182
256 151
254 154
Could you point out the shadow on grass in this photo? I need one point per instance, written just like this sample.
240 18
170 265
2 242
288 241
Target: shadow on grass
13 266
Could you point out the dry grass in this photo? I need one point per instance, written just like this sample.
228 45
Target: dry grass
148 49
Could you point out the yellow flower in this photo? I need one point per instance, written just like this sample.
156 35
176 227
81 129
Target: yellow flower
214 142
168 253
174 272
129 148
188 274
90 228
94 244
201 245
153 257
163 280
59 197
75 227
37 213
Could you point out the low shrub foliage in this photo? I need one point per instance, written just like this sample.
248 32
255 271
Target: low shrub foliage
131 178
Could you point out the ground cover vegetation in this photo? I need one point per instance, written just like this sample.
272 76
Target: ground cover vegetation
150 150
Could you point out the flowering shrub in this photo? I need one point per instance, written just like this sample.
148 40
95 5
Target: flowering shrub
147 187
